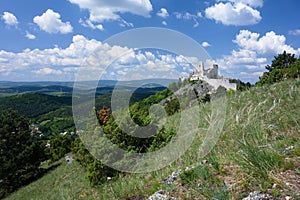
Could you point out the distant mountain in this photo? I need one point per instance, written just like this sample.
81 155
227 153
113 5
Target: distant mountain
35 89
66 88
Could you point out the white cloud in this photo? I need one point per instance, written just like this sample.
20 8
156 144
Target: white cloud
205 44
251 75
50 22
199 14
163 13
295 32
186 16
164 23
93 58
238 14
269 44
253 54
9 19
88 23
109 10
124 23
47 71
149 55
30 36
72 56
189 16
251 3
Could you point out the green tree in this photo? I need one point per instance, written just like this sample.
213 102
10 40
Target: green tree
20 152
295 69
283 66
281 61
60 145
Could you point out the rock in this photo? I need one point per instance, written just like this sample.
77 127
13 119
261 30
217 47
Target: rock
287 184
189 168
69 159
159 195
288 148
172 177
288 198
203 162
256 195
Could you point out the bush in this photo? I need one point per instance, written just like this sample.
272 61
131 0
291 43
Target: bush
60 146
21 153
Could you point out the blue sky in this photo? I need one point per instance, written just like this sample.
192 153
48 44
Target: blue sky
51 39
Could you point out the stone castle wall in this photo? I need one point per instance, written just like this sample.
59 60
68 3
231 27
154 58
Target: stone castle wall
212 77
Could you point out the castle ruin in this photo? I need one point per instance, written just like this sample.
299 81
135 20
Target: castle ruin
212 77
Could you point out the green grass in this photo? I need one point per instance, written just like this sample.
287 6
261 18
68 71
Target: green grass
67 181
250 155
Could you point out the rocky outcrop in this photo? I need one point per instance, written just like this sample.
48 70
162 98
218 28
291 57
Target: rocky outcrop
256 195
159 195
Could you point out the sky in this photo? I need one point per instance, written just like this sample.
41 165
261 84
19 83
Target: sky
52 40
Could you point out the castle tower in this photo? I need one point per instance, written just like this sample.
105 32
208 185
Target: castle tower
201 69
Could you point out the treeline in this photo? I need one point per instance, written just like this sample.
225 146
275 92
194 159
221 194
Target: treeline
34 105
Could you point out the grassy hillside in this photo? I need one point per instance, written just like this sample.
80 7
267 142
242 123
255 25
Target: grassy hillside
258 150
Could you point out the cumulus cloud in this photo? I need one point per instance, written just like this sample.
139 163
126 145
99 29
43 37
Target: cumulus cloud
50 22
109 10
189 16
163 13
9 19
205 44
269 44
30 36
295 32
253 54
93 58
71 56
239 13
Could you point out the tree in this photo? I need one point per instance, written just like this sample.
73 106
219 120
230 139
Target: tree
283 66
60 145
20 152
282 61
295 69
103 115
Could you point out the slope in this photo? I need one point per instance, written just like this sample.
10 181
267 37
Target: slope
258 150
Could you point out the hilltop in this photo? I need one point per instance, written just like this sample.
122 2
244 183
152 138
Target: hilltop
258 150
